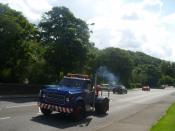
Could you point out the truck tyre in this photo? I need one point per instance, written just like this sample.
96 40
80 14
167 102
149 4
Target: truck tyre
79 111
46 111
102 106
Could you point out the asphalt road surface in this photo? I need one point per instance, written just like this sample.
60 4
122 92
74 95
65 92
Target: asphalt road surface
136 111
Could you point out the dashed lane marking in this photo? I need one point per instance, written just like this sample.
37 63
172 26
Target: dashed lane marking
4 118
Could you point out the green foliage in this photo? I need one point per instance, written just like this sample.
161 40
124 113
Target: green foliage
60 44
166 80
41 73
67 40
168 69
166 123
16 35
140 58
146 75
118 62
135 85
91 63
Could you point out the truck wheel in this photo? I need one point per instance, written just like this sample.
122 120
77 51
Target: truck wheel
46 111
102 106
79 112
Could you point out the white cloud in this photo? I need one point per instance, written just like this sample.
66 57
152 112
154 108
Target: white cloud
32 10
136 26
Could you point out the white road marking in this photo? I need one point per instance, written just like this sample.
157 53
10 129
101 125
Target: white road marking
18 106
39 111
4 118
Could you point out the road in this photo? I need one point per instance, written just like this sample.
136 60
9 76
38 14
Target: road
135 111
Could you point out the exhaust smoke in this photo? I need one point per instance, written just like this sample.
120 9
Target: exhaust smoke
107 76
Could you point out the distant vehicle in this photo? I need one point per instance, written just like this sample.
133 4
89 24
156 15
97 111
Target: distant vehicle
145 88
120 89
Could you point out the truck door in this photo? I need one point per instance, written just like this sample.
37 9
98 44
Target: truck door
89 93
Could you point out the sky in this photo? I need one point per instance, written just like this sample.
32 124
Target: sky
138 25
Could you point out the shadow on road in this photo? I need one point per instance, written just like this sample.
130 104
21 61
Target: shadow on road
63 121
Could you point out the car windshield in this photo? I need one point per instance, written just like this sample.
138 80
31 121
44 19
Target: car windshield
73 83
122 87
119 86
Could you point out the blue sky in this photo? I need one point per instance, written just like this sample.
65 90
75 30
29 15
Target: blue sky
138 25
168 7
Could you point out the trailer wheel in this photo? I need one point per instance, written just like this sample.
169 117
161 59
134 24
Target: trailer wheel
102 106
46 111
79 111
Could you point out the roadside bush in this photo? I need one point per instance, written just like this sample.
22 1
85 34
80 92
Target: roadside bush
41 73
166 80
135 85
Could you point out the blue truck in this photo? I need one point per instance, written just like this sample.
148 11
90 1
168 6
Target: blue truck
75 94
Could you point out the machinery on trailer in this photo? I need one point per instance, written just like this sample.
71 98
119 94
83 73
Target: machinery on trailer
75 94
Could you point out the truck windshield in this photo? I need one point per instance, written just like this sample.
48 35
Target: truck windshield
73 83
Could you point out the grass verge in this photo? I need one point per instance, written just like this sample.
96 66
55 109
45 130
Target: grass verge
167 122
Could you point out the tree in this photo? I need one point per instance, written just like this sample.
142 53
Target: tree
16 40
146 75
140 58
168 69
166 80
117 62
66 39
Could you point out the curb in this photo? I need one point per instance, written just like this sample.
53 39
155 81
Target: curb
17 96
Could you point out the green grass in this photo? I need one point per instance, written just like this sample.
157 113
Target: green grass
167 122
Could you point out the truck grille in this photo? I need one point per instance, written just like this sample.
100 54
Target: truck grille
55 98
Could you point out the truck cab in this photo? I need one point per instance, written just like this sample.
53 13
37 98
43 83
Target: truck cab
73 95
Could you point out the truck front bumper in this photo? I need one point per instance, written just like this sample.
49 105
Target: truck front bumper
55 107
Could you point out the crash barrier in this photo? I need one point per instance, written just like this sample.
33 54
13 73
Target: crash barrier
13 89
